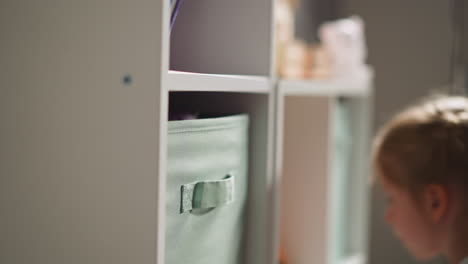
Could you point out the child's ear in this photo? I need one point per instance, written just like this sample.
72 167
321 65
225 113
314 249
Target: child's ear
436 201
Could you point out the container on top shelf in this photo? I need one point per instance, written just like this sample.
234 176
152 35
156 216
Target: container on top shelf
313 42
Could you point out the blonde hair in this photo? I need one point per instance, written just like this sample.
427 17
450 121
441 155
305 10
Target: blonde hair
425 144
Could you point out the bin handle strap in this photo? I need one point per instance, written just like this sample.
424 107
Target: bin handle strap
207 194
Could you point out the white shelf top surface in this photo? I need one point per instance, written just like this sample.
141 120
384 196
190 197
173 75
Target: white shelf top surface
351 86
188 81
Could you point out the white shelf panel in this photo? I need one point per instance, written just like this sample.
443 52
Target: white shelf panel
187 81
351 86
357 258
324 87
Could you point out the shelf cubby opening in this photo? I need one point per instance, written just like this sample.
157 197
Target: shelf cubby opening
223 37
258 107
323 182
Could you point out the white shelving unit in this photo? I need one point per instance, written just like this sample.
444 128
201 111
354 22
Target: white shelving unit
86 93
322 141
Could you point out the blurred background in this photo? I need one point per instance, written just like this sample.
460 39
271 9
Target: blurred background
410 48
415 48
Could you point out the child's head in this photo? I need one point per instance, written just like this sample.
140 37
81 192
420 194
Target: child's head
421 159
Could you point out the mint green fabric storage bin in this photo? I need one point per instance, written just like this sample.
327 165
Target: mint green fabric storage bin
206 190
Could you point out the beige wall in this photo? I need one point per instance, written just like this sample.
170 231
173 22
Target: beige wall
409 47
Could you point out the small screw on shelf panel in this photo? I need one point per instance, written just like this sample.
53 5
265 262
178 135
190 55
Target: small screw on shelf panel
127 79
